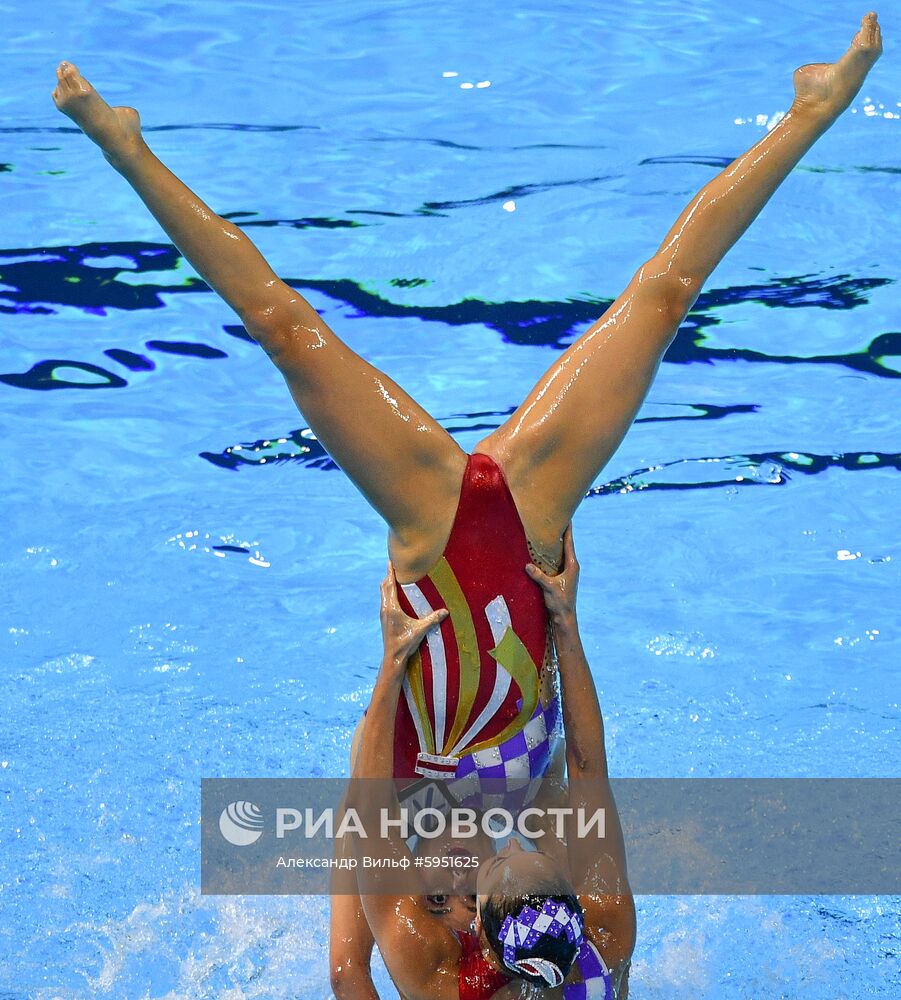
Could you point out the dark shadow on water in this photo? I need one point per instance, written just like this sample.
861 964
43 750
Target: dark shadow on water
752 469
706 472
44 279
246 221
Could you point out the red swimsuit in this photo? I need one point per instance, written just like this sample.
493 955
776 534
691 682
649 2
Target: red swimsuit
471 698
478 979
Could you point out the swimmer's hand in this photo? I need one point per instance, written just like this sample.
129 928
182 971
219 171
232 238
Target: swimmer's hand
401 634
560 590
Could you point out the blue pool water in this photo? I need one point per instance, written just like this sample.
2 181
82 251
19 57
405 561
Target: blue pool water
170 612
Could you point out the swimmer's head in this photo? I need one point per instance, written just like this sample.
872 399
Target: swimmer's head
529 914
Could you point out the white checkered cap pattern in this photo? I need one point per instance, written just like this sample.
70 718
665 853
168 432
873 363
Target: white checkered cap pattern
525 930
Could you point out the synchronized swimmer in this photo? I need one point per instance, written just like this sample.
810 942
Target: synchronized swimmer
480 699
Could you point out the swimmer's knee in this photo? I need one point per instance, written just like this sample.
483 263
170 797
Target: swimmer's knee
286 328
266 329
668 289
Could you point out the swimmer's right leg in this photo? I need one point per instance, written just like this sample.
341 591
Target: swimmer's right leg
405 464
556 443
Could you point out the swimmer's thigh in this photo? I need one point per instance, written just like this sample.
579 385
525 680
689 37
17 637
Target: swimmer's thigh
555 445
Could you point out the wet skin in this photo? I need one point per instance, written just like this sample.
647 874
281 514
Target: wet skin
551 449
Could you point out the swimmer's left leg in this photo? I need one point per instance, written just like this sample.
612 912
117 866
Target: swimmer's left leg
405 464
553 447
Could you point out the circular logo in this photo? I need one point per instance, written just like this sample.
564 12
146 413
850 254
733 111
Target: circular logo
241 823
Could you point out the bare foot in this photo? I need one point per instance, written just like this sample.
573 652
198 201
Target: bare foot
828 88
117 131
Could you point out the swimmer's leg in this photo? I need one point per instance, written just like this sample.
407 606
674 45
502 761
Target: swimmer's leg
553 447
403 462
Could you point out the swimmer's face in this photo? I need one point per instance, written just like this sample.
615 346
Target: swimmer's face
449 889
457 912
456 863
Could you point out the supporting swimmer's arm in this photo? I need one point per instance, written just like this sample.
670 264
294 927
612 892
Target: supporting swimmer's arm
583 724
598 871
376 755
371 792
420 952
586 763
350 939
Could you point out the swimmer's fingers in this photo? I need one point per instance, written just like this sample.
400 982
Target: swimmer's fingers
559 591
402 635
391 613
553 589
388 590
568 572
390 604
390 578
415 630
405 635
569 551
425 625
541 578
